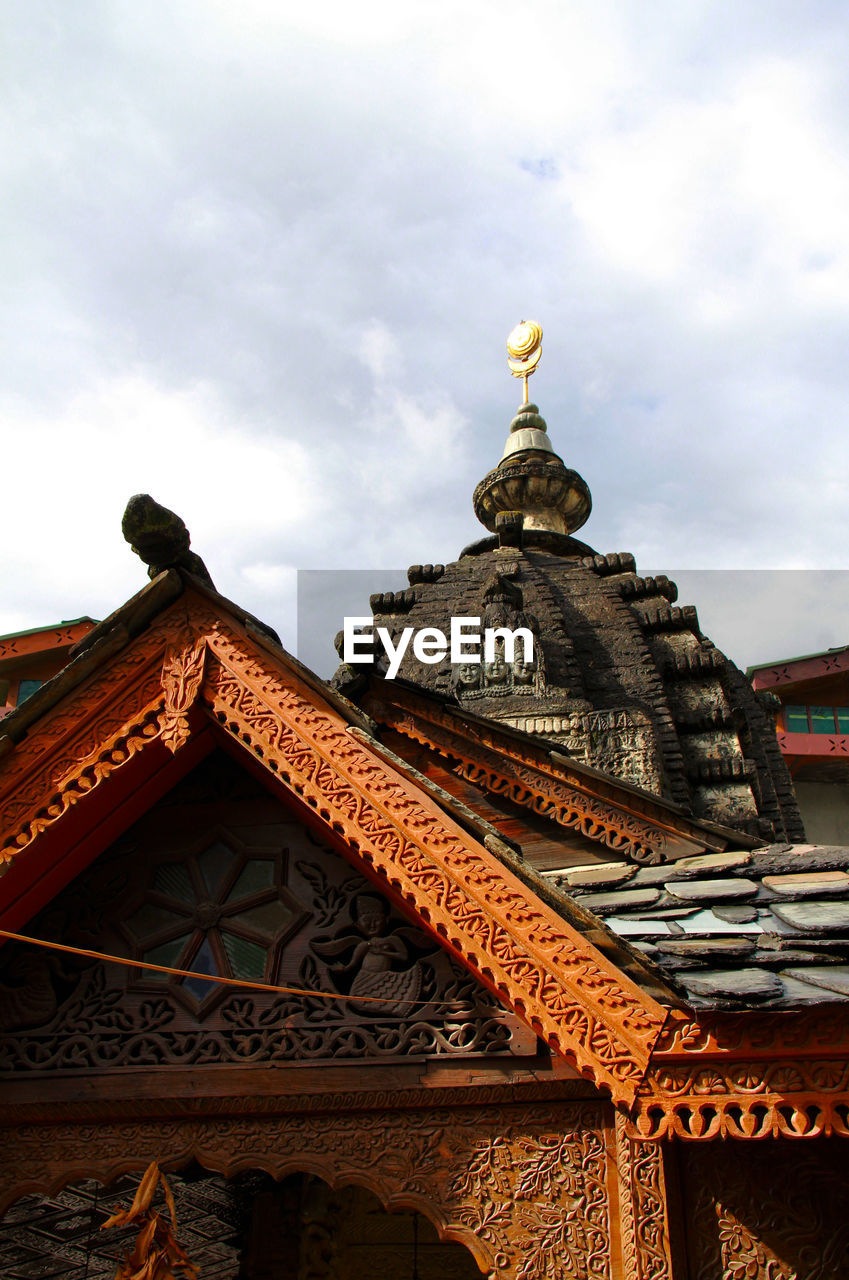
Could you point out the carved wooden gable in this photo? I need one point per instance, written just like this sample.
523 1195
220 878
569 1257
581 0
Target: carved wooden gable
221 878
176 673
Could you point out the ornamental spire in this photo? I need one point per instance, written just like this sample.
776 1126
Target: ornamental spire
524 349
531 480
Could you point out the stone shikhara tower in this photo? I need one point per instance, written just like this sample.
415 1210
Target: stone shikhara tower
622 678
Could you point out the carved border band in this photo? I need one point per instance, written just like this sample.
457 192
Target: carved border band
643 1207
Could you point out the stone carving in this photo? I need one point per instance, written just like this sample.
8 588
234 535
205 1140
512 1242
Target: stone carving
160 538
502 605
623 742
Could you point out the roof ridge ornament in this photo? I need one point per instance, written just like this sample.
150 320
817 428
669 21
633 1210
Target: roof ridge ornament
160 538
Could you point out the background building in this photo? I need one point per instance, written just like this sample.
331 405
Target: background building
29 658
812 722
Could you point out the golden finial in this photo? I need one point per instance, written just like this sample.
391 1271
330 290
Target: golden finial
524 348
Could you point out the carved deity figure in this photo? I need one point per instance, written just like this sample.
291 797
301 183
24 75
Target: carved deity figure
467 676
497 671
523 672
379 960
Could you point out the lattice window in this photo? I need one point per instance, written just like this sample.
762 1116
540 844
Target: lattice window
218 911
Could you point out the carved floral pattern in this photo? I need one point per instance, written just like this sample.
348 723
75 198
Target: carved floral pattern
755 1076
527 784
99 727
643 1213
117 751
182 673
530 1200
776 1212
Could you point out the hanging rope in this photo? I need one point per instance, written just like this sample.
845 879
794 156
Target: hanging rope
214 978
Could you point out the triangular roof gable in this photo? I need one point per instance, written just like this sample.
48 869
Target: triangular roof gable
196 674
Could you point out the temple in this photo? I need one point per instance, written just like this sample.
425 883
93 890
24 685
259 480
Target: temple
517 967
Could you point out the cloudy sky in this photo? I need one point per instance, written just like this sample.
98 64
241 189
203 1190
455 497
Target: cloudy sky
260 260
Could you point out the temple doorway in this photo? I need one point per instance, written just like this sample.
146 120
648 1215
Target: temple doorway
246 1228
300 1229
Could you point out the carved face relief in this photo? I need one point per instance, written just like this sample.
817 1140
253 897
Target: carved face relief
496 672
468 676
372 915
523 672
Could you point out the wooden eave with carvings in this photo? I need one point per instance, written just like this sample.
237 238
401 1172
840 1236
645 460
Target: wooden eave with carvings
179 670
588 807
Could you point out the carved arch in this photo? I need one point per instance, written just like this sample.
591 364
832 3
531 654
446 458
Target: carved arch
523 1187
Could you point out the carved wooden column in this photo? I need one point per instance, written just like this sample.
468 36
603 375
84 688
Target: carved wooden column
643 1208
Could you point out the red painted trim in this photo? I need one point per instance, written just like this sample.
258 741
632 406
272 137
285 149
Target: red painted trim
827 746
38 874
798 670
13 648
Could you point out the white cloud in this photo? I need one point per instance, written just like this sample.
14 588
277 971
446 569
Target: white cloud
379 351
261 261
124 436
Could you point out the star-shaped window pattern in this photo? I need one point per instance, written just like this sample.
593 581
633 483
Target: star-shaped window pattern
220 909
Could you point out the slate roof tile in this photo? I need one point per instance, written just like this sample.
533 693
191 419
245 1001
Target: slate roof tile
604 874
627 928
727 948
712 890
749 984
693 868
790 955
790 859
763 928
831 978
814 916
666 909
736 913
808 883
622 901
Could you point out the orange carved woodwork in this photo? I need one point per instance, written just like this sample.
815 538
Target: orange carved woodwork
537 963
637 826
529 1189
748 1076
137 720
